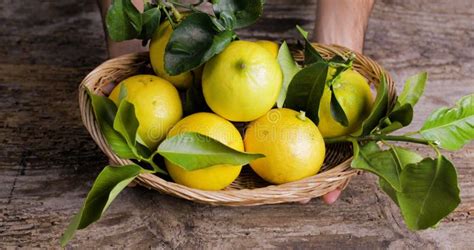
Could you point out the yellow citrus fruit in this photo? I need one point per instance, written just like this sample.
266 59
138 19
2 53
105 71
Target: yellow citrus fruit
157 106
157 54
216 177
353 94
292 145
243 82
270 46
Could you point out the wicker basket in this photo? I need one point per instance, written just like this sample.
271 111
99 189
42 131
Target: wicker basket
248 189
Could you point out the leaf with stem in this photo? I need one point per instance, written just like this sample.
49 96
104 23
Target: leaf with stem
123 21
306 89
193 151
379 109
311 55
387 164
429 192
104 111
126 123
110 182
193 42
451 128
336 110
413 89
337 66
151 18
398 118
402 114
416 185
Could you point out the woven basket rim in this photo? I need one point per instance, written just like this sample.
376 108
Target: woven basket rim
297 191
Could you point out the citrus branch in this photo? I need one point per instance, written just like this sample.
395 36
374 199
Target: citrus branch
349 138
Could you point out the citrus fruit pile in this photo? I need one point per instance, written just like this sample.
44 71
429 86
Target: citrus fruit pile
186 121
241 84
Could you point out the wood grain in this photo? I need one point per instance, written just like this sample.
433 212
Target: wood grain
48 161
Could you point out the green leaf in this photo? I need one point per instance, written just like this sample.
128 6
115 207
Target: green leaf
390 128
389 190
126 122
194 41
306 89
340 64
226 20
105 110
426 190
311 55
381 163
123 21
413 89
379 109
134 16
194 151
123 93
243 12
429 192
219 43
402 114
387 164
110 182
451 128
400 117
302 32
336 110
289 68
151 18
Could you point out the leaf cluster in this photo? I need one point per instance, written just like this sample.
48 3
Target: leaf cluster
119 126
197 36
425 189
303 87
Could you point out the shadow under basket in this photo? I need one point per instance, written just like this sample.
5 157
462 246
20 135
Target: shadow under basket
248 189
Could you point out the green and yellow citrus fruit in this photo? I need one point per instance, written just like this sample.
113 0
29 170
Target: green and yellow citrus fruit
353 94
215 177
243 82
157 106
272 47
157 54
292 145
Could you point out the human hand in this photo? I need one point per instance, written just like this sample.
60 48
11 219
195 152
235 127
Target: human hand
115 49
342 22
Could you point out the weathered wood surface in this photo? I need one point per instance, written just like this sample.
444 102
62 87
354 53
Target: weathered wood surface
48 161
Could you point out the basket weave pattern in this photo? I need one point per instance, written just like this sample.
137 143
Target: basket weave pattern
248 189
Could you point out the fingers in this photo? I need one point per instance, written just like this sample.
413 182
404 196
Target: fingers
328 198
332 196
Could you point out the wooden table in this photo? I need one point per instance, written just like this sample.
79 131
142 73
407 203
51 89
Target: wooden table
48 160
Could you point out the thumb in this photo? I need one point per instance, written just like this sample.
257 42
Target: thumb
332 196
